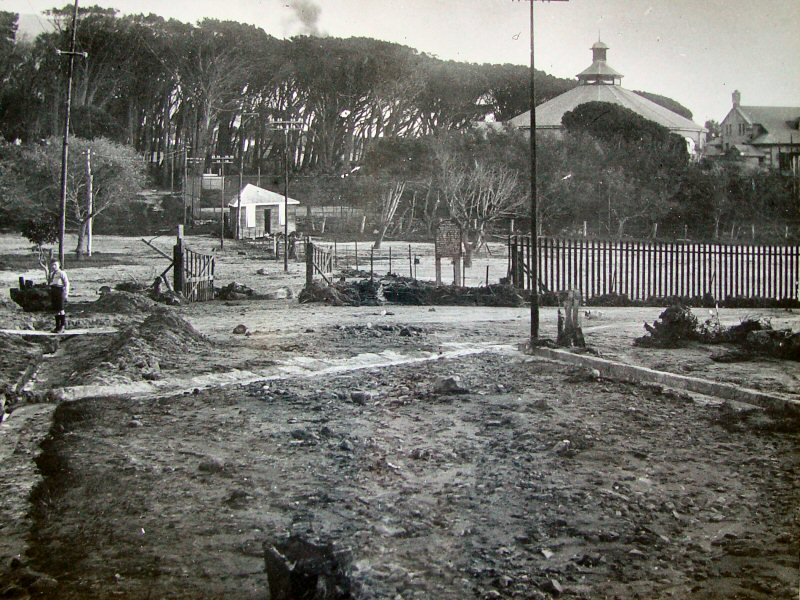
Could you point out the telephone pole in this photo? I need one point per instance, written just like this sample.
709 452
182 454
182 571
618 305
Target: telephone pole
238 227
534 266
222 160
286 126
192 161
185 181
65 149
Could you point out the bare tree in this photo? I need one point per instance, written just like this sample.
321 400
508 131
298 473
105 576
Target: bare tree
390 200
477 197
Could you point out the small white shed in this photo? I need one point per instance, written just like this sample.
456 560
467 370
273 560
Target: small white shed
262 212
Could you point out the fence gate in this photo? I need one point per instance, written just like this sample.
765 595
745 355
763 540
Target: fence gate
193 273
656 270
318 261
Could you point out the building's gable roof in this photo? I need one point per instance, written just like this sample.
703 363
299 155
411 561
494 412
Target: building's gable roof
549 114
779 122
255 196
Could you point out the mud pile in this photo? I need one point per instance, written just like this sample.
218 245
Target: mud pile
139 352
408 291
677 326
401 290
123 302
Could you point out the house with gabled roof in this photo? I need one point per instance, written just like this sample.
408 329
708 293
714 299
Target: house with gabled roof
602 83
766 136
262 212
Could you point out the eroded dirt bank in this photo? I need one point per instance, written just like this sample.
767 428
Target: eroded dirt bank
539 480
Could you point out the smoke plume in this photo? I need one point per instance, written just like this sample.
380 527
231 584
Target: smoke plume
307 13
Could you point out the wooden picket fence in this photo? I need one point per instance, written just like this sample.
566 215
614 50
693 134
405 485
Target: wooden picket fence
193 273
644 270
318 261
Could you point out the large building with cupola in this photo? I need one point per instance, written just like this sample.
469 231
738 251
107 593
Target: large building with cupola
600 82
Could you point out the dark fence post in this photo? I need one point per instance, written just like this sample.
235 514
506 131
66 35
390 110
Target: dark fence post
177 266
309 262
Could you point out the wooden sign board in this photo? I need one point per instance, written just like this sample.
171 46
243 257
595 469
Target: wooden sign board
448 240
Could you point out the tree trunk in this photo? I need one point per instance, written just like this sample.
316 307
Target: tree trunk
81 239
381 234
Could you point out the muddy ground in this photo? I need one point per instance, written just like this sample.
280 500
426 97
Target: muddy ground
522 478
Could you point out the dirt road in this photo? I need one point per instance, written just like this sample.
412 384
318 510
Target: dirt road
521 478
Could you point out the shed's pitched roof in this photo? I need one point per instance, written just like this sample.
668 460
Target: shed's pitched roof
254 195
747 151
549 114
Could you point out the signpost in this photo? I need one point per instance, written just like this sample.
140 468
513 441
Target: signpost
449 243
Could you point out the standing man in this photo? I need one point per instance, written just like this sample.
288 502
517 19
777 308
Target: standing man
59 292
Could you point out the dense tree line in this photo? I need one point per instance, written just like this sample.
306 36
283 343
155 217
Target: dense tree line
612 174
215 87
402 118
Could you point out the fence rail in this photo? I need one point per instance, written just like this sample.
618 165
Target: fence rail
643 270
318 261
193 273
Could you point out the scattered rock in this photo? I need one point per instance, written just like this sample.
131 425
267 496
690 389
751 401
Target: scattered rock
552 586
561 447
212 465
134 423
449 385
240 329
303 435
361 397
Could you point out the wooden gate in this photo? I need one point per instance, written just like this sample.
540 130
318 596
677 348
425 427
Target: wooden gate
193 273
653 270
318 261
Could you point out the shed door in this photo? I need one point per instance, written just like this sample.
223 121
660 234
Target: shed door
267 221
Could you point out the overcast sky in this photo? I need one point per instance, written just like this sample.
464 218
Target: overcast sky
695 51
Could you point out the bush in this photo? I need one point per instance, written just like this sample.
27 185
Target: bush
41 230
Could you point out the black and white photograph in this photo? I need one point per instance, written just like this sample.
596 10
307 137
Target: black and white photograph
400 299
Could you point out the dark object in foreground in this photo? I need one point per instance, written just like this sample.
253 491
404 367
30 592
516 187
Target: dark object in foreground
299 570
31 297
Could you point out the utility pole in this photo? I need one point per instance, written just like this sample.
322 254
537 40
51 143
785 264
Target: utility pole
65 149
185 181
534 266
222 160
286 126
193 161
238 227
89 202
